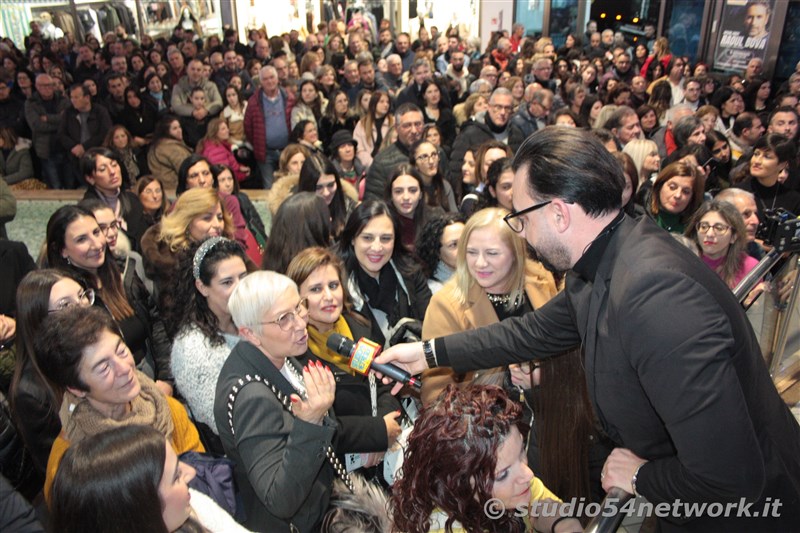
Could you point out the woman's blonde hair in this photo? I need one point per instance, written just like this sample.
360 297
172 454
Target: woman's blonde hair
491 217
639 149
190 205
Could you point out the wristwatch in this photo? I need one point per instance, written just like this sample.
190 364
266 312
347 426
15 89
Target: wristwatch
430 355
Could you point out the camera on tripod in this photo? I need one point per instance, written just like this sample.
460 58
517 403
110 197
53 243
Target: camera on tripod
781 229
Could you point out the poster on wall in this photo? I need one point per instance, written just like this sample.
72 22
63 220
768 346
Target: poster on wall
743 33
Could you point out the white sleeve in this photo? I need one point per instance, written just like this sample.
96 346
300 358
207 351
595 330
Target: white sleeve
213 517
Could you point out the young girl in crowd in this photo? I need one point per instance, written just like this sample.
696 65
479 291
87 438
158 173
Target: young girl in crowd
405 196
373 127
226 184
320 176
438 192
233 113
499 180
34 400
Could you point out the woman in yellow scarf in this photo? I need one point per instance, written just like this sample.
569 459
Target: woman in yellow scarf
367 411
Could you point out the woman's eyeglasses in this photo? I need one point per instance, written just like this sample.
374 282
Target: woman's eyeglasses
286 320
424 158
719 229
85 299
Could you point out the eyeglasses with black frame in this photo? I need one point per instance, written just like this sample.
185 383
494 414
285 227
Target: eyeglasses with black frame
518 224
286 320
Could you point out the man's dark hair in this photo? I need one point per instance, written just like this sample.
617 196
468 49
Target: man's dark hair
114 77
743 122
782 109
573 165
84 90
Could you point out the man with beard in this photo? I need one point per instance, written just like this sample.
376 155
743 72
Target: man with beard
458 77
668 351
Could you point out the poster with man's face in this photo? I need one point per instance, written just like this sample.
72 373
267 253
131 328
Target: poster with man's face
743 33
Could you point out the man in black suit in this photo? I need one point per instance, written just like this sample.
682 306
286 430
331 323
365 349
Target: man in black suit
673 368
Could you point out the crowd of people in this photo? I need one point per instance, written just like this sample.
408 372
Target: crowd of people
162 318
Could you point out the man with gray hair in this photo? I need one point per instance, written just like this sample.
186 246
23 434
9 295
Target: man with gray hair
182 92
489 73
663 136
393 77
531 117
492 124
745 203
43 112
267 123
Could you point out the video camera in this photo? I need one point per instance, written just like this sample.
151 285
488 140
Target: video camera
781 229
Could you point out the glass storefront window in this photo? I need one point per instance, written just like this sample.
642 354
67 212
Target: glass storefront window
685 24
563 17
789 52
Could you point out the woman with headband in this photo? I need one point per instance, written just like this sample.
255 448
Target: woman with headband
206 333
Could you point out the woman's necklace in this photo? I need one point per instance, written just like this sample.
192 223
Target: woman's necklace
504 299
774 198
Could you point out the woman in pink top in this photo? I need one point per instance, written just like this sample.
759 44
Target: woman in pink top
216 147
719 230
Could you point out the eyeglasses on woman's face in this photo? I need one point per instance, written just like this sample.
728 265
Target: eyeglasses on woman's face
705 227
286 320
84 299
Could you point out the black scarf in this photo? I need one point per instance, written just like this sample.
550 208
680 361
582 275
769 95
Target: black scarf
381 293
494 128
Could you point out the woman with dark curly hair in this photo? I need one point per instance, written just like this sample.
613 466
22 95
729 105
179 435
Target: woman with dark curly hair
437 246
206 332
467 450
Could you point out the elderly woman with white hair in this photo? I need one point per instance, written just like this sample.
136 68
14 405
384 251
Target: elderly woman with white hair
273 416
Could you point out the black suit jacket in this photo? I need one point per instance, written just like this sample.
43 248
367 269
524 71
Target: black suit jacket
674 372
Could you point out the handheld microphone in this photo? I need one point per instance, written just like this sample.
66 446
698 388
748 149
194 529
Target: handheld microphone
362 354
